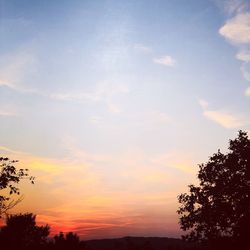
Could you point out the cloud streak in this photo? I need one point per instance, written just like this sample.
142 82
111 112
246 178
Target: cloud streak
165 60
7 113
103 93
225 119
243 56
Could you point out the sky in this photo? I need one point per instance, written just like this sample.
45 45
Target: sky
112 104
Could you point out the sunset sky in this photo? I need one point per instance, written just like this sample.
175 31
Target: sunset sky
112 104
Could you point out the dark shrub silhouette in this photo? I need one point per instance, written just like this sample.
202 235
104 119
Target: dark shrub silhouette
21 232
217 211
9 177
68 241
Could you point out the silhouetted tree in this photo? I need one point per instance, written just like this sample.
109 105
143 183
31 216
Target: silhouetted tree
68 241
218 209
21 232
10 176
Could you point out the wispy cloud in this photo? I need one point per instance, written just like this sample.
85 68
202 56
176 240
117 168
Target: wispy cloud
236 30
15 68
165 60
232 6
204 104
224 118
6 83
172 159
103 93
247 91
243 56
8 110
7 113
10 151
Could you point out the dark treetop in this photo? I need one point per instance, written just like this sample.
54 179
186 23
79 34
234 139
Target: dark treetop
219 207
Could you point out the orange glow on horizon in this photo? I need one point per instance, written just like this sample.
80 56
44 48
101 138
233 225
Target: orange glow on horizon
74 195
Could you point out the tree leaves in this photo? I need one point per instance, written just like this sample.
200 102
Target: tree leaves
21 232
220 205
10 176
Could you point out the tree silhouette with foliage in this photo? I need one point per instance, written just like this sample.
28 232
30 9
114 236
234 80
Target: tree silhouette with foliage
10 176
21 232
218 209
68 241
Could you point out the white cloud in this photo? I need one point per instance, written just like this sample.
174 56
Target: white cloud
69 96
102 92
224 118
7 84
237 29
247 91
165 60
243 56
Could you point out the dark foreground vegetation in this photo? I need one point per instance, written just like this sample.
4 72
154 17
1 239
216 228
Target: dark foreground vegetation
215 213
140 243
22 233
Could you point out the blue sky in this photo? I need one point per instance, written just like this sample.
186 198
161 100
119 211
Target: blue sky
131 95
